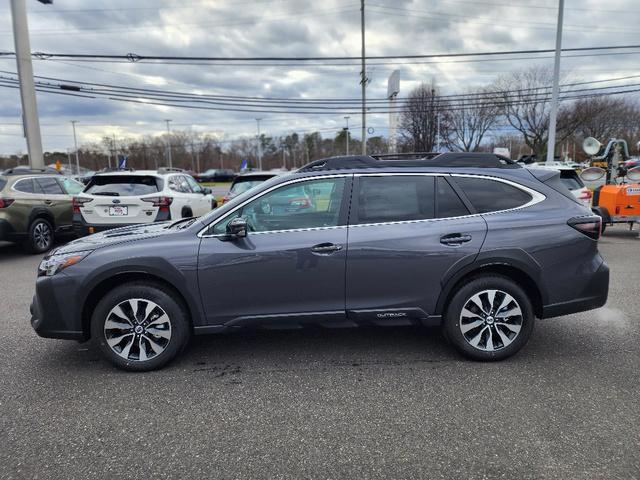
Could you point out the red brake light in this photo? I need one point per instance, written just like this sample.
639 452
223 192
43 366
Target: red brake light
78 202
586 195
590 226
300 202
163 203
225 199
5 202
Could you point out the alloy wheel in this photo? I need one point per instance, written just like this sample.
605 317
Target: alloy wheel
490 320
42 235
137 329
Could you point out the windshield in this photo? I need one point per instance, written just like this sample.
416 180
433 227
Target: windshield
122 185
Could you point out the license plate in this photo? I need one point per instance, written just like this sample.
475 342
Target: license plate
118 211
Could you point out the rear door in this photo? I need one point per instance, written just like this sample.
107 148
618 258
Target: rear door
120 199
406 231
57 201
201 203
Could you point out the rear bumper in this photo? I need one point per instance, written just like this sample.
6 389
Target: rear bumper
594 295
83 228
53 315
8 233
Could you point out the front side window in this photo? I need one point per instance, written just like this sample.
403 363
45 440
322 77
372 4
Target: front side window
301 205
395 198
49 186
488 195
71 186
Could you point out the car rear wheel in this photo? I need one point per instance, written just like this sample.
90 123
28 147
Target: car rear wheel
489 318
40 237
140 326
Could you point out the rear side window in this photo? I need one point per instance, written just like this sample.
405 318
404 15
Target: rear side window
26 186
395 198
49 186
3 182
122 185
448 203
178 183
488 195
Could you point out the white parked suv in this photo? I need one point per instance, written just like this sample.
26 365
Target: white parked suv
120 198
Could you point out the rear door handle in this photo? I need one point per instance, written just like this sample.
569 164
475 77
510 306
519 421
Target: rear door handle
455 239
326 248
48 202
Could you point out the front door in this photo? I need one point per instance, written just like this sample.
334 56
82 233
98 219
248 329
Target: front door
290 268
405 233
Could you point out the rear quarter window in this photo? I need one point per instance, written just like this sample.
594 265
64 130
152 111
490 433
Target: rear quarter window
488 195
3 183
27 185
122 185
571 180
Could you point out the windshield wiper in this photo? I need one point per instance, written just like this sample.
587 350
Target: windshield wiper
183 223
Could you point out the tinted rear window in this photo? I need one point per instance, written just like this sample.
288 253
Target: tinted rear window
395 198
448 202
491 195
49 186
571 179
122 185
26 185
3 182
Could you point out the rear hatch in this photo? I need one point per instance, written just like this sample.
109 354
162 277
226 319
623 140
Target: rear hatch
121 199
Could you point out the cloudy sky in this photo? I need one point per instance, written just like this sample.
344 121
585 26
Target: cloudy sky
287 28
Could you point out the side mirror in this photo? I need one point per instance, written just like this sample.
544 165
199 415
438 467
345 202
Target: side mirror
237 228
206 191
634 174
592 174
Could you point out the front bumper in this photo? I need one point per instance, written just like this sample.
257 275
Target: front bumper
54 313
594 295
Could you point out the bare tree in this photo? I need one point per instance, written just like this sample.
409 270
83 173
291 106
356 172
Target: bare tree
605 117
524 98
423 110
470 119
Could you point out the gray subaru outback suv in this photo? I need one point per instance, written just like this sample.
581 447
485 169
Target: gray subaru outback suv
471 242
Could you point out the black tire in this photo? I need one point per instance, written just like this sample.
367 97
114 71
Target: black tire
152 337
604 227
186 212
40 236
487 349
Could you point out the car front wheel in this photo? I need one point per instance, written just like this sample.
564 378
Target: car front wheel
489 318
140 326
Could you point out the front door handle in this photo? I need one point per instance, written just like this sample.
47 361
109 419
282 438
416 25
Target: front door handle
326 248
455 239
48 202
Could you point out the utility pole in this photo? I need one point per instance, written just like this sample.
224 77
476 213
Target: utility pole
551 146
438 132
363 83
259 145
284 160
169 144
115 153
75 143
30 121
347 130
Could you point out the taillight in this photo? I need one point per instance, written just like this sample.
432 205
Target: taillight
225 199
586 195
78 202
590 226
5 202
163 203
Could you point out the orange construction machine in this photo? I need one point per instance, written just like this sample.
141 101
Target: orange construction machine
618 200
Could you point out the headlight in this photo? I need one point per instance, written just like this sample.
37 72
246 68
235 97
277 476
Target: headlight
54 263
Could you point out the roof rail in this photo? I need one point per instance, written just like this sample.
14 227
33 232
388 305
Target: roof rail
30 171
447 159
114 169
170 169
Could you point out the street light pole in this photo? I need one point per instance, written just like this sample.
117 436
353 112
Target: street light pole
259 145
30 121
347 130
363 83
551 146
75 142
169 144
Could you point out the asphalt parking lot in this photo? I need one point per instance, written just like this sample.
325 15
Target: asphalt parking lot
379 403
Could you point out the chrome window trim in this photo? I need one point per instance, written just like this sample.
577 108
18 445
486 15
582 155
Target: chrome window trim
536 197
202 234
